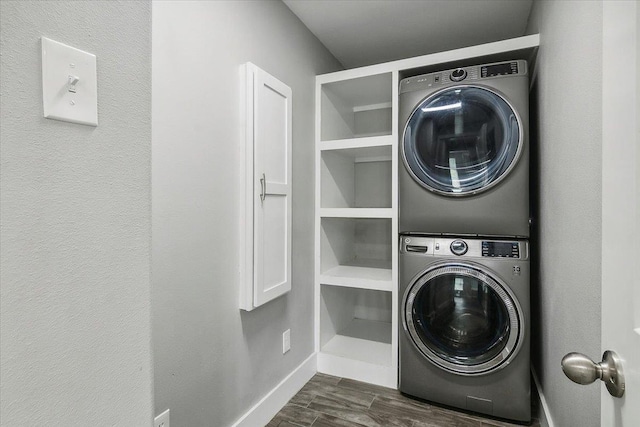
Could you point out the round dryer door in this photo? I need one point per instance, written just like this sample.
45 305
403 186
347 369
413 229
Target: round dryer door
463 319
461 140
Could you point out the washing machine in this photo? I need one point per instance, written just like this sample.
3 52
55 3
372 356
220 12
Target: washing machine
464 316
464 145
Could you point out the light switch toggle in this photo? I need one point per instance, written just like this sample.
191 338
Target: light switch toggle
71 83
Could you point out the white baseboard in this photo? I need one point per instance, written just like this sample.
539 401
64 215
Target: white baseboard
270 405
545 414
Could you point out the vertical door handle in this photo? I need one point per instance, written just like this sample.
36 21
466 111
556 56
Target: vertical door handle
263 187
582 370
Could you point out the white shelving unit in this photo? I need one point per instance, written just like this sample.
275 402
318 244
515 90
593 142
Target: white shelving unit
356 221
356 226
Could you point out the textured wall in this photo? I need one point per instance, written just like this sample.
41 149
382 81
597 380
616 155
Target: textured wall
213 362
75 215
568 128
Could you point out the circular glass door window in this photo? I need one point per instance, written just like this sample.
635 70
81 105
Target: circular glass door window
462 319
461 140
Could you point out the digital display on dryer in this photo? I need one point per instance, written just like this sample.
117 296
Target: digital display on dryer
503 69
500 249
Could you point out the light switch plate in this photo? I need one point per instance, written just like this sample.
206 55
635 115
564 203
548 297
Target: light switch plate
286 341
61 65
162 420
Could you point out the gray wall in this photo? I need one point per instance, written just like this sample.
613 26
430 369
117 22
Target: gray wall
75 214
568 129
213 362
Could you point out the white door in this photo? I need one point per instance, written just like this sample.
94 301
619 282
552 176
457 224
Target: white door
621 207
272 184
265 251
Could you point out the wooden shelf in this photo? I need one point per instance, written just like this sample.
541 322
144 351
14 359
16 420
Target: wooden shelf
359 277
355 143
356 212
364 340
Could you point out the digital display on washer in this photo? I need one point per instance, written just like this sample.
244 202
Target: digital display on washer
501 249
499 69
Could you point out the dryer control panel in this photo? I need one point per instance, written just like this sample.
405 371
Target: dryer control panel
464 75
501 69
463 247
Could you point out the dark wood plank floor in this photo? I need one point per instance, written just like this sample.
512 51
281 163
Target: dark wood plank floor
327 401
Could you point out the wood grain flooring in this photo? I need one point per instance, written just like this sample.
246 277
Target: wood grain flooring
327 401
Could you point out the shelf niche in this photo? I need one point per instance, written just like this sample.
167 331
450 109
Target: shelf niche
356 324
356 178
356 252
362 242
356 108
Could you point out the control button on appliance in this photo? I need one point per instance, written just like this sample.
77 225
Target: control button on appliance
458 75
459 247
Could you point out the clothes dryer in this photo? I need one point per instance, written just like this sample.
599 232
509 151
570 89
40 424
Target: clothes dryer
464 311
465 151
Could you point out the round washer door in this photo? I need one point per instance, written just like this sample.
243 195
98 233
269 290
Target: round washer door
461 140
463 319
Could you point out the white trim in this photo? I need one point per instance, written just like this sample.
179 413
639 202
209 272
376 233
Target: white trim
263 411
544 408
395 269
317 220
245 248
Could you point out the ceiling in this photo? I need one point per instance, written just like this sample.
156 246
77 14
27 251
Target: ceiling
365 32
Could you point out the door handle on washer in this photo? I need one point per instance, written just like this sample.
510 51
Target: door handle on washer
415 248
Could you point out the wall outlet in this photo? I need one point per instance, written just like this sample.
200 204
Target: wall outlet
286 341
162 420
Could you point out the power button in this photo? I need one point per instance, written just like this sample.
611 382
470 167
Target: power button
459 247
458 75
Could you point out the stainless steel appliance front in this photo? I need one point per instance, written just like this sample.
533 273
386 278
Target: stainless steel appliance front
465 323
465 151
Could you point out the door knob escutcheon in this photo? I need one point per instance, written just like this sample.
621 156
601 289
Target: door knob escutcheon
582 370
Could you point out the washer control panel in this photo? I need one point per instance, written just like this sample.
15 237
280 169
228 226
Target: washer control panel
500 249
464 74
463 247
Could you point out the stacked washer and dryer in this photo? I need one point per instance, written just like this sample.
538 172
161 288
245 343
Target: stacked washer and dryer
464 228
